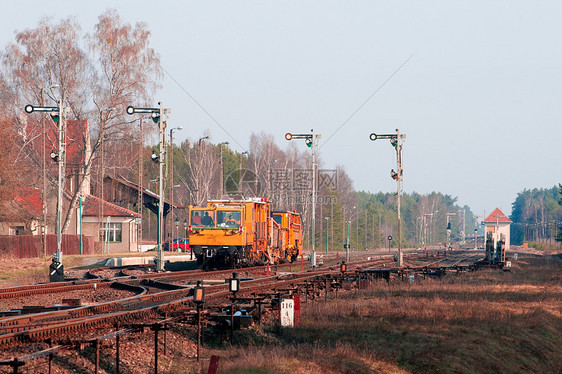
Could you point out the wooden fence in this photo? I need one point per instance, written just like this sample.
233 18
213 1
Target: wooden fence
29 246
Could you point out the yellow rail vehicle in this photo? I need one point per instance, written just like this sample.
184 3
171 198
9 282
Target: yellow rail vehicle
231 233
290 233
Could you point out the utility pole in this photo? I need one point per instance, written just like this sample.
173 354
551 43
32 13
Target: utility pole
396 140
327 231
425 227
221 171
171 158
476 231
240 173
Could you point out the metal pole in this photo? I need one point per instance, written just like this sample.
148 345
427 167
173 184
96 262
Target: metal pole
198 331
141 189
221 171
159 259
327 231
313 254
156 345
81 239
62 156
399 183
44 197
171 157
347 244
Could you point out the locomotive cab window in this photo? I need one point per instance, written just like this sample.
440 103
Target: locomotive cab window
202 218
228 218
278 218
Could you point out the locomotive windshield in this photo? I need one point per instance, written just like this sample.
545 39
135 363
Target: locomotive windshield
278 218
228 218
202 218
218 218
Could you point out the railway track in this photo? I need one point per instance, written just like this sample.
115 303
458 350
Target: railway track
163 299
21 329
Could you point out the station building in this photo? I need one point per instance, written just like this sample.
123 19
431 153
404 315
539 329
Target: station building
499 225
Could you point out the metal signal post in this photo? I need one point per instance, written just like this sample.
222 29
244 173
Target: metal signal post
312 142
56 270
396 140
158 116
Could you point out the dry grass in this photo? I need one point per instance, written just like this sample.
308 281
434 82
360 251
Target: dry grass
483 322
487 321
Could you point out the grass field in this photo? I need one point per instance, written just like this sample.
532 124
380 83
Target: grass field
488 321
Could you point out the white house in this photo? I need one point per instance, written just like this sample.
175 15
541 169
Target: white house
499 225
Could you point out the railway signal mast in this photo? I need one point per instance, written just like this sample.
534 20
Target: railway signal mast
396 140
311 141
449 230
158 116
57 113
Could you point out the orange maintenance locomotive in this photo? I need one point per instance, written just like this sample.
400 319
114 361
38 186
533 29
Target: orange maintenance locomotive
243 233
290 232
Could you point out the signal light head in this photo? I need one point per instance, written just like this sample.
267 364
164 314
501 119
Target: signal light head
155 157
393 174
54 156
155 117
29 108
54 116
288 136
373 136
130 110
308 142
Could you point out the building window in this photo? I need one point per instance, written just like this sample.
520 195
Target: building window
113 230
16 230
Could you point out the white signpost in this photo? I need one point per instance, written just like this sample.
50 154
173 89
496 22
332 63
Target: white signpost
287 312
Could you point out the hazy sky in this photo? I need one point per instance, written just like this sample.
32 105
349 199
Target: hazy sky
479 98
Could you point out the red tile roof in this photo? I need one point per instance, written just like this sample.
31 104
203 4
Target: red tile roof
29 199
91 207
497 216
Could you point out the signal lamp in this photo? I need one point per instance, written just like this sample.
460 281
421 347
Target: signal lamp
55 116
155 157
199 293
234 283
394 174
54 156
343 267
308 142
288 136
373 136
130 110
29 108
156 116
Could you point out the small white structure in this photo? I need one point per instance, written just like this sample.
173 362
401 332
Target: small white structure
287 312
499 225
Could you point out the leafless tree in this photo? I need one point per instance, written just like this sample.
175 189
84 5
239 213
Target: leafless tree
122 69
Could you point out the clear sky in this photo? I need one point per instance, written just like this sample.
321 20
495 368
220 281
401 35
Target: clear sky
479 96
